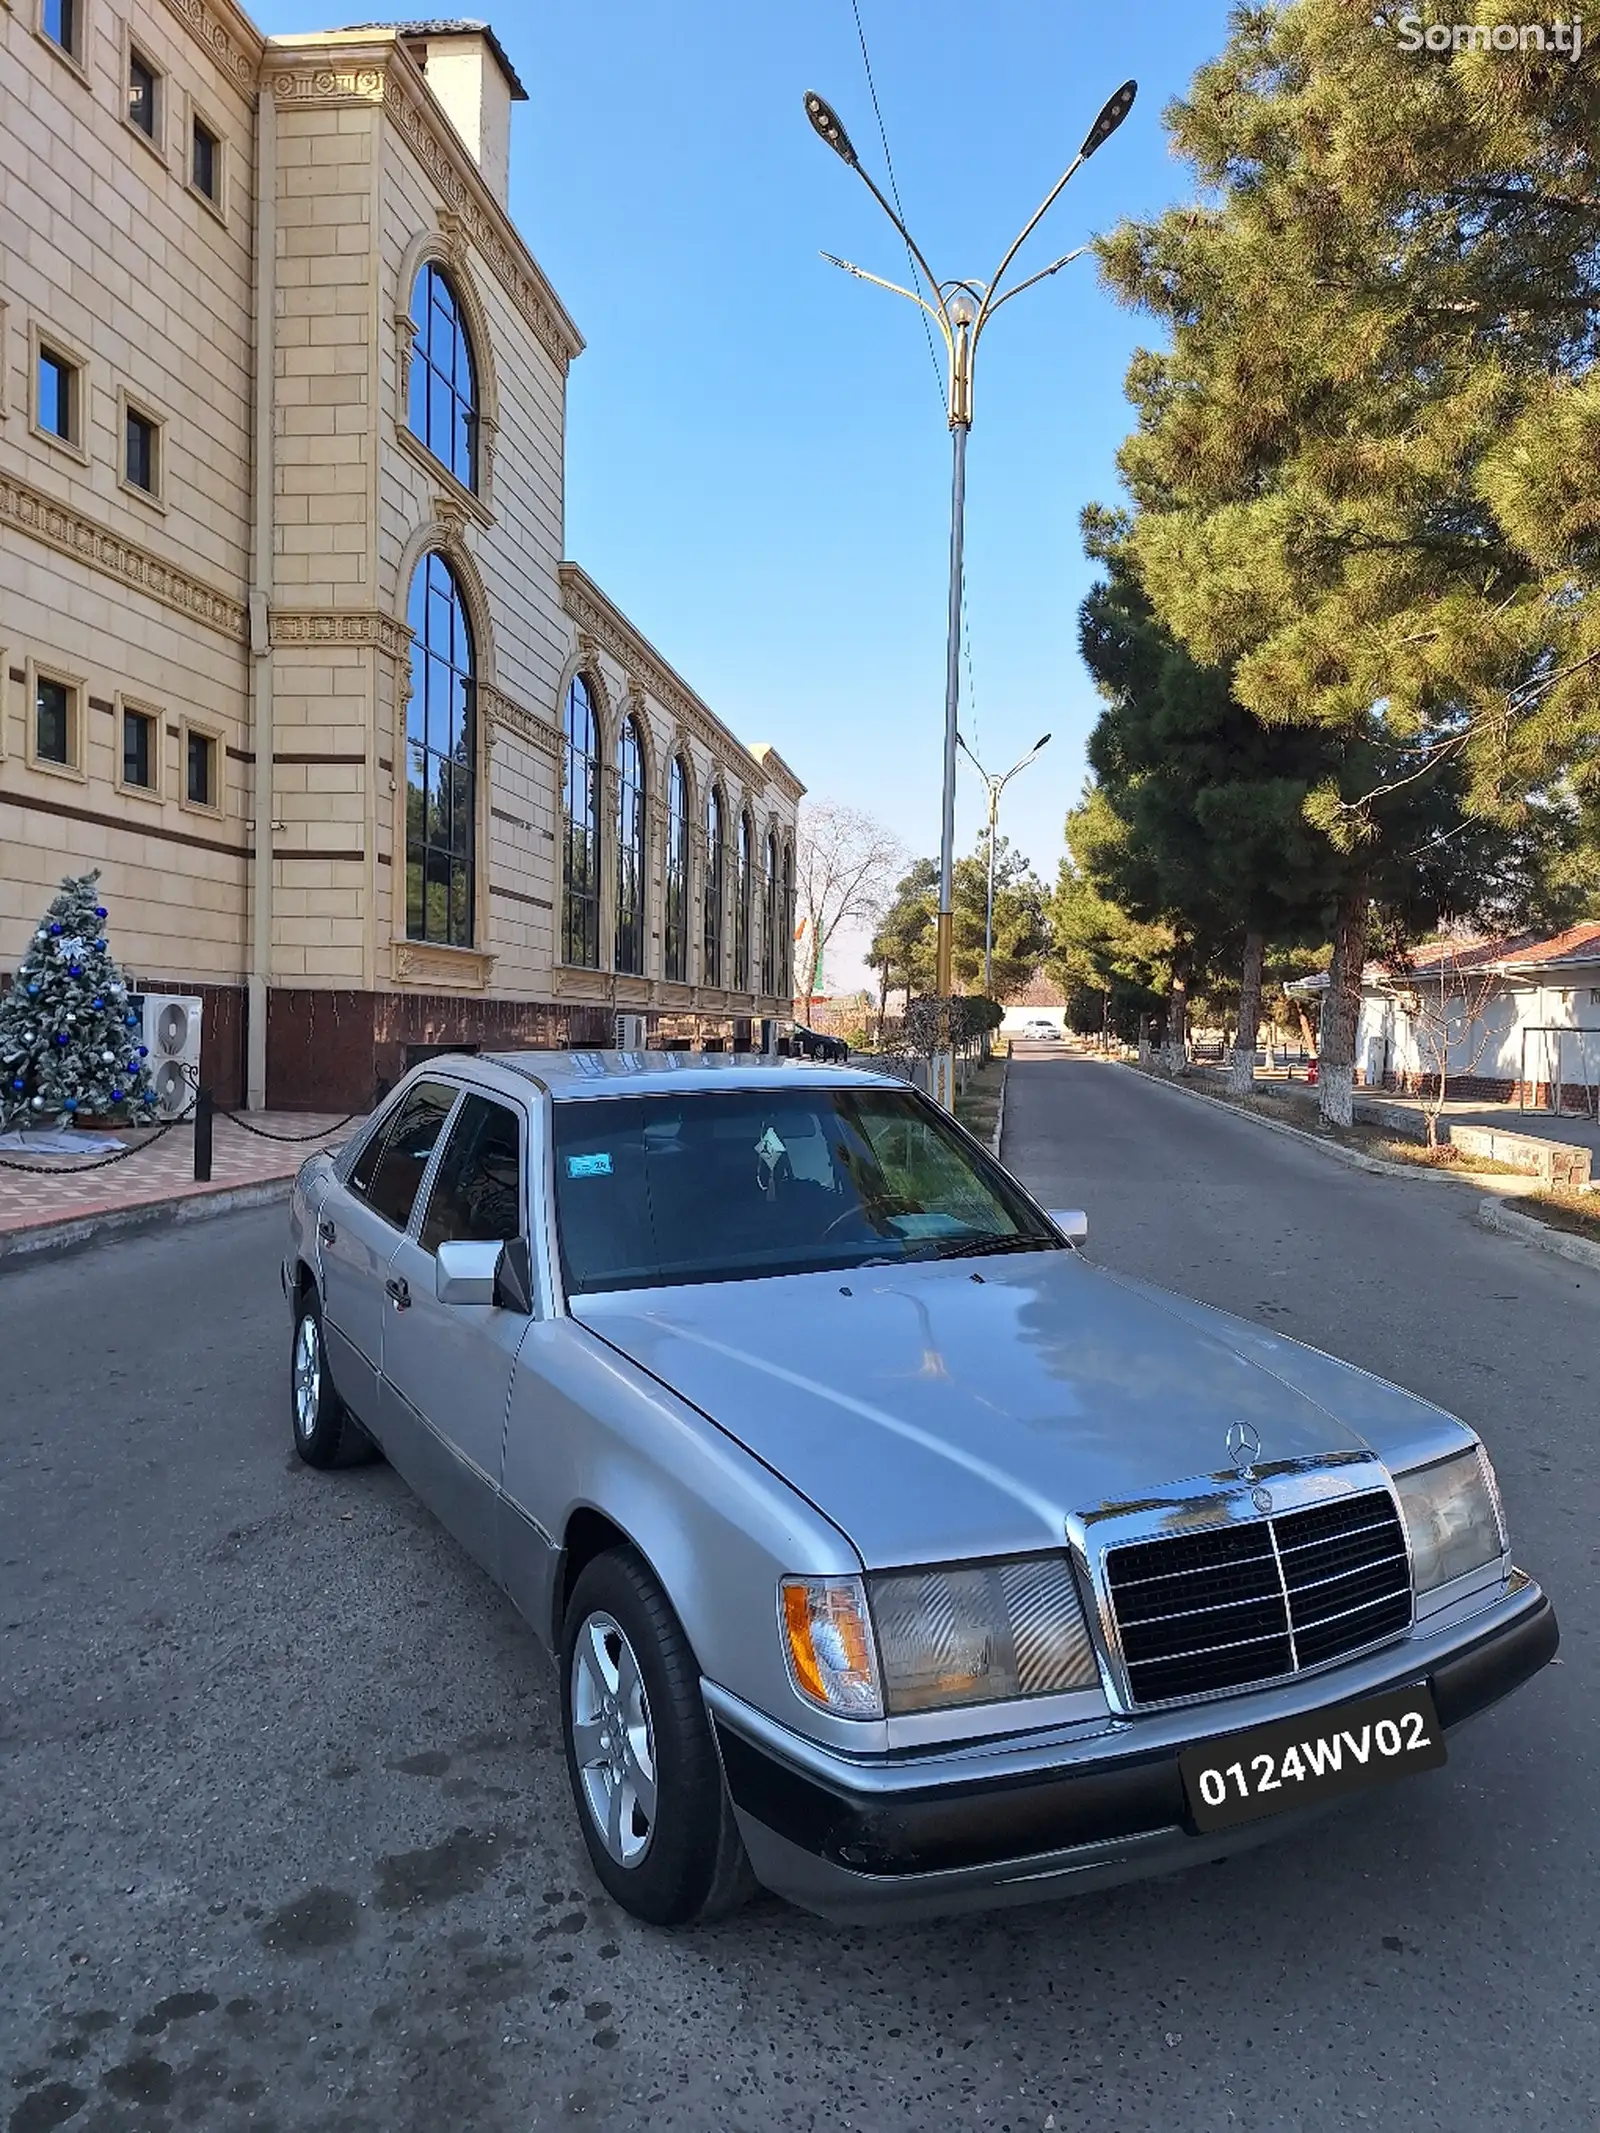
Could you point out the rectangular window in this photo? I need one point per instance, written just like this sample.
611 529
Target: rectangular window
205 163
58 395
62 24
142 93
138 749
52 721
141 464
202 770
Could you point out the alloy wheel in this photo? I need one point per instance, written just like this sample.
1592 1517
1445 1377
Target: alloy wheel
612 1739
307 1375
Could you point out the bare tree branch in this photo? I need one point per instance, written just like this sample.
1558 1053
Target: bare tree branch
846 864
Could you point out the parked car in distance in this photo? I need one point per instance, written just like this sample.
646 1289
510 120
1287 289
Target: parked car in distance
816 1044
893 1555
1041 1030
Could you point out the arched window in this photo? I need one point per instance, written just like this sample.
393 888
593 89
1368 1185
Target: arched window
677 914
580 896
444 378
441 761
711 929
744 882
630 849
771 931
786 946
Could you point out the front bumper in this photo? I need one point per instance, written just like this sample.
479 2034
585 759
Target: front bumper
1017 1821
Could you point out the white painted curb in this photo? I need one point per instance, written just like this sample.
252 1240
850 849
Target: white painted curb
45 1240
1000 1110
1491 1215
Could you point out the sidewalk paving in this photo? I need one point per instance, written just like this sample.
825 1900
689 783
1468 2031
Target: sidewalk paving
67 1199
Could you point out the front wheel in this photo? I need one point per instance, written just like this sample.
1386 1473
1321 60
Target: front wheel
651 1801
326 1433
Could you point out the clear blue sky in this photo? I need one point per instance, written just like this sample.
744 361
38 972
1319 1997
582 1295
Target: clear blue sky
757 462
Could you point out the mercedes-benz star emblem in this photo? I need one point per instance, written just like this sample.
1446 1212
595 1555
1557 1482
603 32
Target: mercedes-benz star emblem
1244 1448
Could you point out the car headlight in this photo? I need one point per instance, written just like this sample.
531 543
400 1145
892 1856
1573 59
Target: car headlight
1452 1513
981 1633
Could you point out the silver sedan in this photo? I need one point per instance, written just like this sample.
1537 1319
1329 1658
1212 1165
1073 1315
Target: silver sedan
893 1555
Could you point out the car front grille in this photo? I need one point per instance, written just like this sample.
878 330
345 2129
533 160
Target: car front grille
1199 1612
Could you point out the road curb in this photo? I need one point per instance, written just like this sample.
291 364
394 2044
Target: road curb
1000 1110
50 1240
1528 1229
1489 1214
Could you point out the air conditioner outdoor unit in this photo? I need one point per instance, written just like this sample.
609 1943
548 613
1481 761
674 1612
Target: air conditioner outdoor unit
171 1037
630 1033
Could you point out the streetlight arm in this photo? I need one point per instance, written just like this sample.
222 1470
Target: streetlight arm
910 242
991 302
861 274
1044 274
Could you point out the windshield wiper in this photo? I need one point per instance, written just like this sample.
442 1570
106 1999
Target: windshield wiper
988 1247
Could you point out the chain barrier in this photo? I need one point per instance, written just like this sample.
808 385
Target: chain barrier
261 1132
73 1169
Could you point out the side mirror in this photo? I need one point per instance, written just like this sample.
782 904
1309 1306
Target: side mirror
465 1273
513 1277
1072 1222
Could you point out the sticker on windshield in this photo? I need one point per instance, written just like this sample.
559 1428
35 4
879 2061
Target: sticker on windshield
589 1166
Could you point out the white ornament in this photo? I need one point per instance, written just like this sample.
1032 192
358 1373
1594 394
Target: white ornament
106 1059
38 1103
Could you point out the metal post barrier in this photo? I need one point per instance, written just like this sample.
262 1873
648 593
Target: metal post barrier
202 1137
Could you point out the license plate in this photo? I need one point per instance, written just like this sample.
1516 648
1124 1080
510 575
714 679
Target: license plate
1299 1761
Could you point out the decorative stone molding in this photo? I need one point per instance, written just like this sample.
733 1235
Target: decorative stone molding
450 969
358 627
500 710
453 233
599 623
329 85
480 216
450 516
778 770
24 509
220 40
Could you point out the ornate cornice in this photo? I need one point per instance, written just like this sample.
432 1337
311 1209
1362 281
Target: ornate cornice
221 39
329 85
602 624
778 770
360 627
480 217
452 969
378 70
28 510
500 710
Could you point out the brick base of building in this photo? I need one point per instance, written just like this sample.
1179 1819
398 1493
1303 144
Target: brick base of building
1485 1089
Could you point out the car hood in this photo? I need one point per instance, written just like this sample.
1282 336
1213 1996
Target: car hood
946 1410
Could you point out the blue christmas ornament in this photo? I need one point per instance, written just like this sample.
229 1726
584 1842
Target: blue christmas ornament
17 1082
33 992
54 930
61 1036
97 1003
100 945
71 1103
116 1094
130 1020
144 1050
99 910
74 970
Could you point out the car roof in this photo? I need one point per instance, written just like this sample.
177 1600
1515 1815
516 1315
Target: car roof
568 1075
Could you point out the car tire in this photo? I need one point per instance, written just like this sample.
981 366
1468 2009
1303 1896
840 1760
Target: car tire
326 1433
646 1780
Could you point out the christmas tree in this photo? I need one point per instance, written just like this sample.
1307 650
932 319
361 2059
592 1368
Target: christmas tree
69 1040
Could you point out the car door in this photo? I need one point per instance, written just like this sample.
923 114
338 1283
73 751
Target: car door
447 1367
359 1228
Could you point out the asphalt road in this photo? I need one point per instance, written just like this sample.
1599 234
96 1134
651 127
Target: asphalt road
284 1834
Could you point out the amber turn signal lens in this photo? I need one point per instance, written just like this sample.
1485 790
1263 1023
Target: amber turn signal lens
829 1645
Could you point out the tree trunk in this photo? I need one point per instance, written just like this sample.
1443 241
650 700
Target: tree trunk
1175 1038
1336 1059
1241 1079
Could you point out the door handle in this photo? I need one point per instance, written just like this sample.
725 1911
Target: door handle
325 1230
400 1289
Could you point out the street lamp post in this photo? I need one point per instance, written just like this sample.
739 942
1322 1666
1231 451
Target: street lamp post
960 310
995 786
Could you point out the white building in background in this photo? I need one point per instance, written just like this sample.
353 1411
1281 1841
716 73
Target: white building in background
1520 1019
288 645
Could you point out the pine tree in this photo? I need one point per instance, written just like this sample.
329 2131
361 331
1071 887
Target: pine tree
69 1041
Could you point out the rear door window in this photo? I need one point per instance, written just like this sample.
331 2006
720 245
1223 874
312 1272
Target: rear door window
390 1187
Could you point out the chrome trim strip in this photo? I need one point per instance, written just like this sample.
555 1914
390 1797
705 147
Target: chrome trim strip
1283 1587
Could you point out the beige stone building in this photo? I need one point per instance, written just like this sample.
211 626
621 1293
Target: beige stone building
288 646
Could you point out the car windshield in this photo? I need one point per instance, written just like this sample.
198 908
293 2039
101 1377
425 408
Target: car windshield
660 1190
